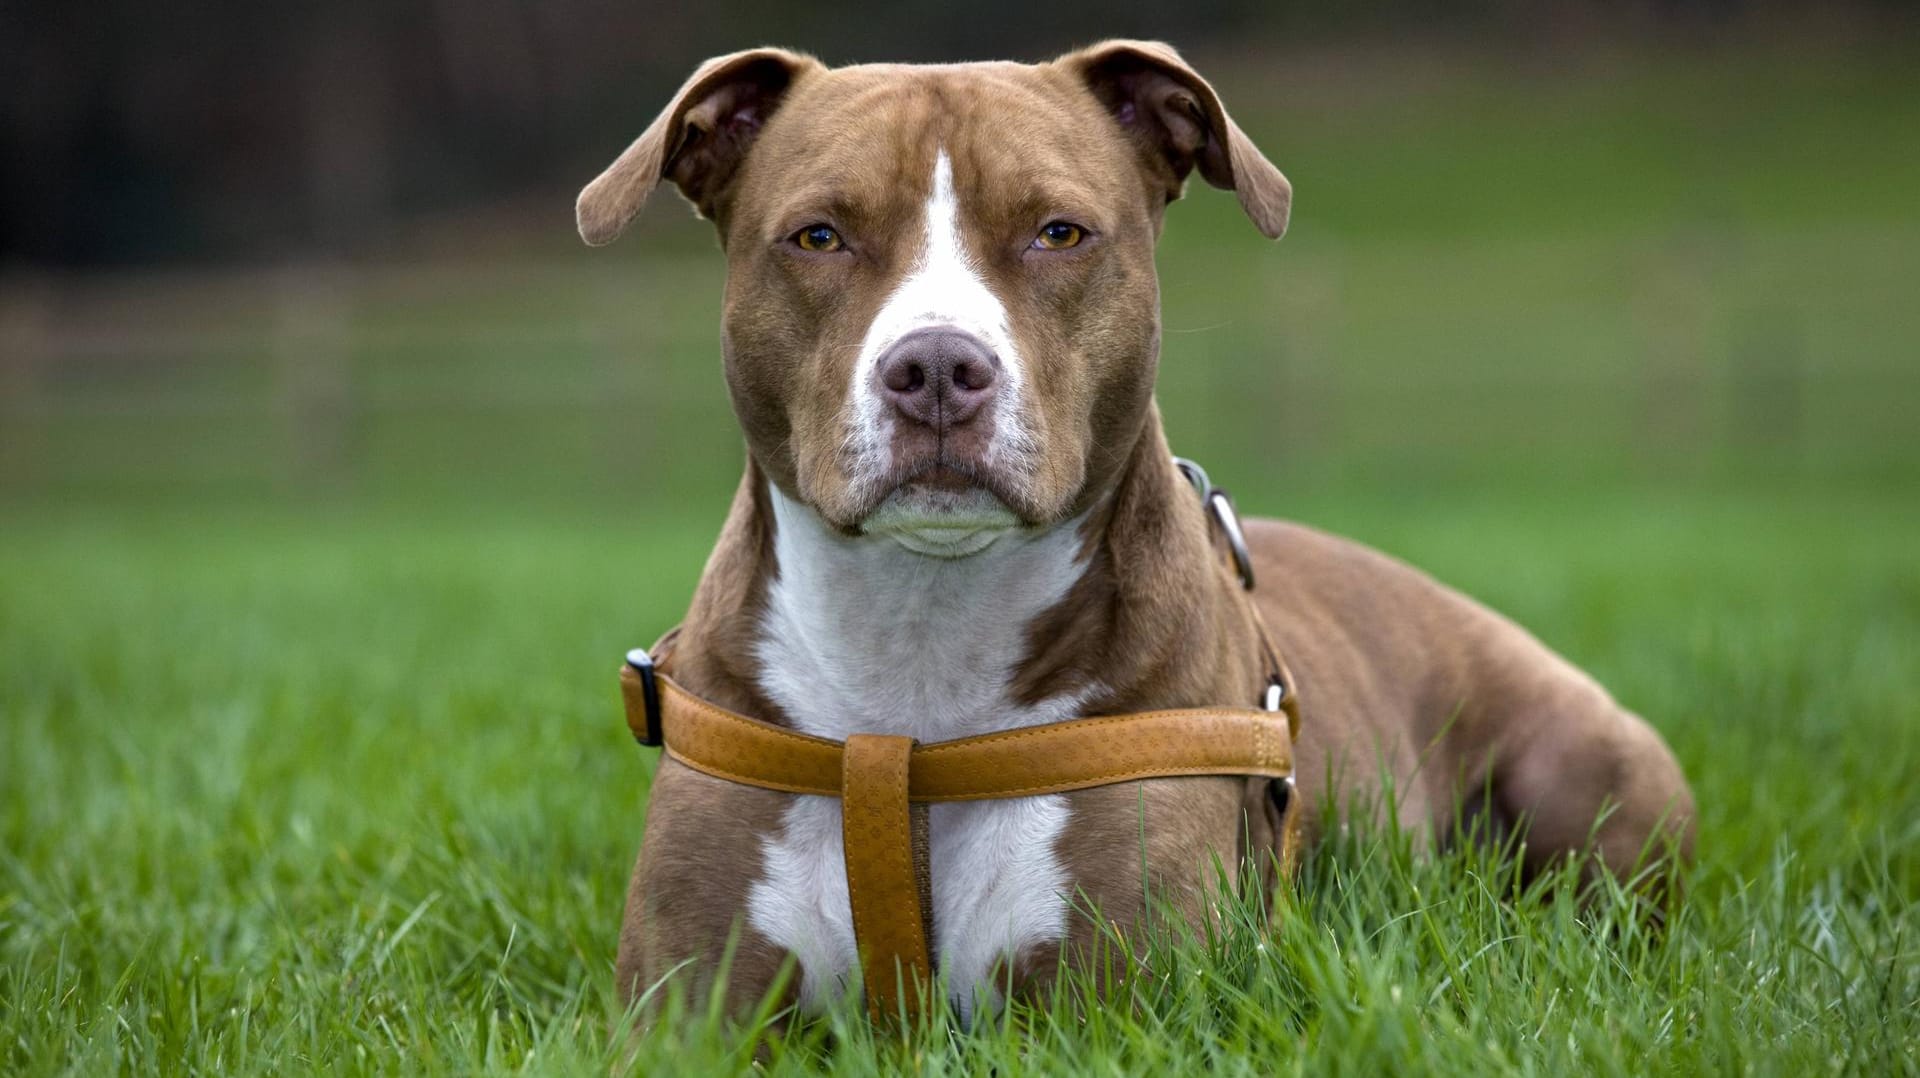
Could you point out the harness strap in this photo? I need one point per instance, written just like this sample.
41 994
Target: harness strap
1074 755
884 781
883 879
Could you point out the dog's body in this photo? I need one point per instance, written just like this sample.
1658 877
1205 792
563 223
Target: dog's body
960 515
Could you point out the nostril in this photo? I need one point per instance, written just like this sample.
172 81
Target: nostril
972 377
905 376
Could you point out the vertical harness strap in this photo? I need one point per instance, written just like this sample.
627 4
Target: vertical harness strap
883 878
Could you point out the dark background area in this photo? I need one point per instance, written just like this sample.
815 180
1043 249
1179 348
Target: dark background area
141 134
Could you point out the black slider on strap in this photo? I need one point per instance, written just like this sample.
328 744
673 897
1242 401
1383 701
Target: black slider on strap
642 664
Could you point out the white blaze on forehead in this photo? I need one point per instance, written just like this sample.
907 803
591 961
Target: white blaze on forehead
942 287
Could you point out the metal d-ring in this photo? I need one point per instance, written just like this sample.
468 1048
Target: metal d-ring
1220 503
1194 474
1220 507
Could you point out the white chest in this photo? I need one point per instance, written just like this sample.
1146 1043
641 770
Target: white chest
863 636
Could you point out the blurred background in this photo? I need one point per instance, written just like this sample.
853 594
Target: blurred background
251 253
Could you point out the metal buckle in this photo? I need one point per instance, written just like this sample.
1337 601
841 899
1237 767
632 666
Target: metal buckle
642 664
1220 507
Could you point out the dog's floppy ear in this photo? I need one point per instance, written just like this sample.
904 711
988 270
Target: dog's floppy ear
1177 121
697 141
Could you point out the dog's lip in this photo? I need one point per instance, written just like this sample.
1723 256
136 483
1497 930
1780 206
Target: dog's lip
942 521
949 475
938 495
942 476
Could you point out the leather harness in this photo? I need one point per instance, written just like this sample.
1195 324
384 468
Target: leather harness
884 781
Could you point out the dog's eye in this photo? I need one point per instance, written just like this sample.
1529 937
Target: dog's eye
818 238
1058 236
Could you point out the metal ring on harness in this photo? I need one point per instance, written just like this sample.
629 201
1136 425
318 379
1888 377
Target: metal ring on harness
1220 507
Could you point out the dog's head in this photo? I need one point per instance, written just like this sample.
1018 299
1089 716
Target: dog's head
941 315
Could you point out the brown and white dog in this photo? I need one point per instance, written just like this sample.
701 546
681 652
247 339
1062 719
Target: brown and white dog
940 332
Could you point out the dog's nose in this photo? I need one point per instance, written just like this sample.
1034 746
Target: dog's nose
941 377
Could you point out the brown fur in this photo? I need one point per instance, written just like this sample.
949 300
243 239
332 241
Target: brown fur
1401 678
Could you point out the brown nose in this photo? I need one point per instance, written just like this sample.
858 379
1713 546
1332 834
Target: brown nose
940 377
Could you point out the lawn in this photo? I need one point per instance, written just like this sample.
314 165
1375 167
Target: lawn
315 762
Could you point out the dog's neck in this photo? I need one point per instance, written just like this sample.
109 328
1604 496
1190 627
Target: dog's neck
862 635
1123 607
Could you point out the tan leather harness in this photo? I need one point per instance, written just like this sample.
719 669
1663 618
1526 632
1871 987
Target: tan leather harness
881 778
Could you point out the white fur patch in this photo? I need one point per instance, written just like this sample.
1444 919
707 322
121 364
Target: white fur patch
943 287
861 635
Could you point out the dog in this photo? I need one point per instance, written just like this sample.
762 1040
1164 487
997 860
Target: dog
959 514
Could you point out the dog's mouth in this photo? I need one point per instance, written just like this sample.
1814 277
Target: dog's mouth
943 510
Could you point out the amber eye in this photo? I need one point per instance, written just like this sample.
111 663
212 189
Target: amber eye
1058 236
818 238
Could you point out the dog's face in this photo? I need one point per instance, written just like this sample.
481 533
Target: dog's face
941 316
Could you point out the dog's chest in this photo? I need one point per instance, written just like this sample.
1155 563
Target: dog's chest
866 637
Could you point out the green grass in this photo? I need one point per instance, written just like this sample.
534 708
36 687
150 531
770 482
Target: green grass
290 789
317 765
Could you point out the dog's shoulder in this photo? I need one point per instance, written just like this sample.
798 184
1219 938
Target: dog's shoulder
1307 568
